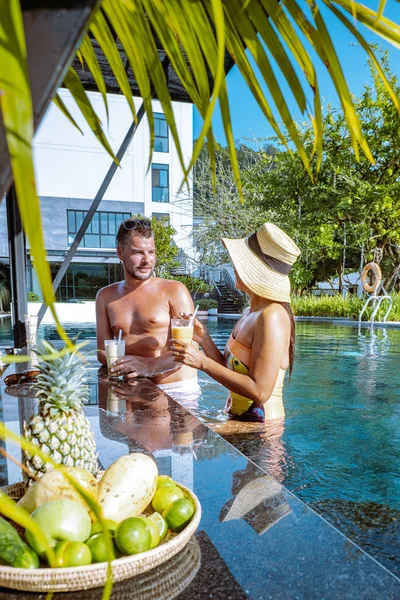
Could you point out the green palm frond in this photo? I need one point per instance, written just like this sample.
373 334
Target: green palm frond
195 37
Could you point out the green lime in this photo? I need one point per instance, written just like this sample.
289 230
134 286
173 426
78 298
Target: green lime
98 548
179 514
133 536
165 496
108 524
164 481
155 532
160 522
72 554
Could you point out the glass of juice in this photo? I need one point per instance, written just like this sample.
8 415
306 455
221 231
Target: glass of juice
115 349
182 330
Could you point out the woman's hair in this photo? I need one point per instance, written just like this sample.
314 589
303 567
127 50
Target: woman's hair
289 311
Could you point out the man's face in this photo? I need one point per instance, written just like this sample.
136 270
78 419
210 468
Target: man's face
138 255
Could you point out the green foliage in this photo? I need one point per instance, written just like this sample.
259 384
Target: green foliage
32 297
206 303
220 211
340 219
195 285
5 297
166 249
341 307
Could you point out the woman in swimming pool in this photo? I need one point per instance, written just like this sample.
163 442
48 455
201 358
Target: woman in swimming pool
261 347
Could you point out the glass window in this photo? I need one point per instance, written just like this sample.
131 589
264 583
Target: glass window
160 182
163 217
161 143
101 230
71 221
95 223
111 223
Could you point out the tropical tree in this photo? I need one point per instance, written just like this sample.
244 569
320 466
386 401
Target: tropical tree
351 212
195 37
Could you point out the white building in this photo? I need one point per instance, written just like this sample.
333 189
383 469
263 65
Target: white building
70 168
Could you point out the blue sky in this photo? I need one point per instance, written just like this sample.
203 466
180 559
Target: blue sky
248 120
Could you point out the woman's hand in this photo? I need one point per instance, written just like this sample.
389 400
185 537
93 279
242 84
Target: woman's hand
200 331
188 354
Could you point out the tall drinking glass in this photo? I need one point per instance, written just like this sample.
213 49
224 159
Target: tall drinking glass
182 330
115 349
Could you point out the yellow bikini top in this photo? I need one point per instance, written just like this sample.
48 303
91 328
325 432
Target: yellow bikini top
238 357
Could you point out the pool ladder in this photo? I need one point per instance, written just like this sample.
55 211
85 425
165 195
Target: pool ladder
377 300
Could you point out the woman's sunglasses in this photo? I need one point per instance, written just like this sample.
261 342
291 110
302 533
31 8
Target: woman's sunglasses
16 378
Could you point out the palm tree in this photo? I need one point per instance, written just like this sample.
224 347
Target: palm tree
195 36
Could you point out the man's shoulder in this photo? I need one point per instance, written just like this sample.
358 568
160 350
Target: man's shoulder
171 286
109 291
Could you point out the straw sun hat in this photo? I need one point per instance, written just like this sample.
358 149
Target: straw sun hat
263 261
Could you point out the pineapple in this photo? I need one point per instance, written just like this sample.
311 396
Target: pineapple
60 429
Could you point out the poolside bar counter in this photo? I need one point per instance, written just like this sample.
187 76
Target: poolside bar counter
255 540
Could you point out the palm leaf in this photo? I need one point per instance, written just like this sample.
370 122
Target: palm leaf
10 509
90 57
74 84
101 31
387 29
368 50
16 107
60 104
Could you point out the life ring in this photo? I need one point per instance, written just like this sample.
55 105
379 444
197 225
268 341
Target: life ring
378 277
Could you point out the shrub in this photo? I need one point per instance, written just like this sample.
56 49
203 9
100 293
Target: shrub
342 307
195 285
32 297
206 303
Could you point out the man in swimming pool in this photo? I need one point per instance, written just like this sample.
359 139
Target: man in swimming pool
142 305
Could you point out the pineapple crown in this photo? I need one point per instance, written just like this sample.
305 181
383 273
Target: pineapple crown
61 385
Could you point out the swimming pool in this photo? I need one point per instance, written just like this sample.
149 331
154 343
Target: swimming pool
338 449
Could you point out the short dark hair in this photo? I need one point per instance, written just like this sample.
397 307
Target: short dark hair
134 226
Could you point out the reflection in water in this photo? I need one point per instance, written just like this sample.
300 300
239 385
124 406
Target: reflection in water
261 442
140 415
260 501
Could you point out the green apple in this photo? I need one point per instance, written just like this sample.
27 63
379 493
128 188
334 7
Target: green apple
60 520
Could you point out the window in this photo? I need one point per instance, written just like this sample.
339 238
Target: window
161 143
101 231
163 217
160 183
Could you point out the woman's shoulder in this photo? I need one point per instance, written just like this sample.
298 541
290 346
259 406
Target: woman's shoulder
273 314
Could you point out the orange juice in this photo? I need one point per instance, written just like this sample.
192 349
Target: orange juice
182 334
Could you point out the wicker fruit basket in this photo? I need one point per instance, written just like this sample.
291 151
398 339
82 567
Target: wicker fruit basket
95 575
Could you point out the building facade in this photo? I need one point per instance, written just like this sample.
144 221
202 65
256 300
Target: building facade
70 168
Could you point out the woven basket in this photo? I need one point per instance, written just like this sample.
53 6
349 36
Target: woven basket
93 576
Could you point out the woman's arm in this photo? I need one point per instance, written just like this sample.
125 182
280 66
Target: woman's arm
211 351
202 337
270 343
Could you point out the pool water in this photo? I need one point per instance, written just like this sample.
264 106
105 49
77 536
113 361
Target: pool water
338 448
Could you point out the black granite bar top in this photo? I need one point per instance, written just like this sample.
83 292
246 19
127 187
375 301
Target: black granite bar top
255 539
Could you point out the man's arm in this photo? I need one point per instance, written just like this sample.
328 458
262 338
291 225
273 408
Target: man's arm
103 327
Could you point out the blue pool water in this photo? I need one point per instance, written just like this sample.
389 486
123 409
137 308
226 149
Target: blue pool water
338 449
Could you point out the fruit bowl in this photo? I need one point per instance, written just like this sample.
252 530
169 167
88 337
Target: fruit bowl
95 575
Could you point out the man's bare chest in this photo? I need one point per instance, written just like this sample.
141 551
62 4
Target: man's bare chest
138 317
